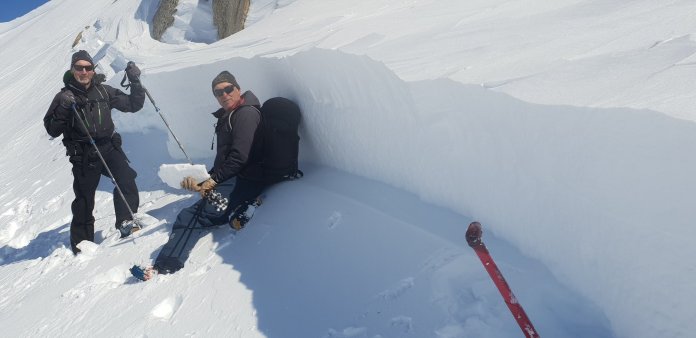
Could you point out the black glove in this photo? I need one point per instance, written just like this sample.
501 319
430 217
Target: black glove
67 99
133 72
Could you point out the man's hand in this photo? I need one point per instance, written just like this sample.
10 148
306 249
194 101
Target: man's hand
206 186
133 72
67 99
190 184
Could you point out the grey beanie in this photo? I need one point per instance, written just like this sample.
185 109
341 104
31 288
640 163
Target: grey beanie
225 76
81 55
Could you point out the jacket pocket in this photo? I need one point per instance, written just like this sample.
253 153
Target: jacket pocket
73 148
74 151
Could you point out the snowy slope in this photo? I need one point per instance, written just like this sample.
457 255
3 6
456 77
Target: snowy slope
565 127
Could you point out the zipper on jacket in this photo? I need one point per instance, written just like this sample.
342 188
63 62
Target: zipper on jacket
84 117
212 142
99 106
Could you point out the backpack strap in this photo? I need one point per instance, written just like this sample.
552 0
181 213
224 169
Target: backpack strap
229 117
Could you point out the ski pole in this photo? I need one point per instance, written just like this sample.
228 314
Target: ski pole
123 84
473 237
94 144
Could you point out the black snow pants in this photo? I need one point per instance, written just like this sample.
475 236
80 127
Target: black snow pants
87 170
195 221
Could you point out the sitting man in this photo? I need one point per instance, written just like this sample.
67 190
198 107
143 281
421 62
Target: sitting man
236 174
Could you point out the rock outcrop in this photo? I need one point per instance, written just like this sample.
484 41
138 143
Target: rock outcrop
164 17
229 16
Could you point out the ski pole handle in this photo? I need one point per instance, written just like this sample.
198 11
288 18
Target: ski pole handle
125 76
123 81
473 234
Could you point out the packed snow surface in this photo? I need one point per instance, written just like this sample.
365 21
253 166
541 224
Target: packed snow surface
565 127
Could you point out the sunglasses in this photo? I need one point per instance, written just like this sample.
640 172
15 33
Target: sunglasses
219 92
83 68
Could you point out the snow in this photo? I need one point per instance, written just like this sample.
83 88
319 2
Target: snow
173 174
565 128
192 23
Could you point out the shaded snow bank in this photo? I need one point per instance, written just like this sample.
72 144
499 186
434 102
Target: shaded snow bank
593 193
335 252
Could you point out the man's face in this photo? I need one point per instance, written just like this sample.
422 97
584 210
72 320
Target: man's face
83 71
227 95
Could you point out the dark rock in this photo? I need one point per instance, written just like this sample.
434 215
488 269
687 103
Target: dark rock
164 17
229 16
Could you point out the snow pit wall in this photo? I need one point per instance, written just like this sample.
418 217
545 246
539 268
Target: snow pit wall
592 193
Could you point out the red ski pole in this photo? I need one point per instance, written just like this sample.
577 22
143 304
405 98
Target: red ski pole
473 237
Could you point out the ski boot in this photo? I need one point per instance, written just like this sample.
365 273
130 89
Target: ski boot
243 213
127 227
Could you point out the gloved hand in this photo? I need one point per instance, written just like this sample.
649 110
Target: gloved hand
67 98
133 72
189 183
206 186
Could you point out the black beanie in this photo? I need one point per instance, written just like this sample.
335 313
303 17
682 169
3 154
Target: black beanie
225 76
81 55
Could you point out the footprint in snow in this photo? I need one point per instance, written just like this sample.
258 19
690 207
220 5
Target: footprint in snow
347 332
87 251
102 282
335 219
402 323
113 277
397 290
201 271
166 308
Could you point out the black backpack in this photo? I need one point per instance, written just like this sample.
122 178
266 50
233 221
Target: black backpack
280 119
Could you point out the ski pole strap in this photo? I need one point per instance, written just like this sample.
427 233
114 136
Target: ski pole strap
123 82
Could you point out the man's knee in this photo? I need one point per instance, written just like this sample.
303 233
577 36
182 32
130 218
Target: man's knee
187 216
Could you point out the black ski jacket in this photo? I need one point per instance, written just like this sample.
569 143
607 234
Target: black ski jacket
239 150
94 106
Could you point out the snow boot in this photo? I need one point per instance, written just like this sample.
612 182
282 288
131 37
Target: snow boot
243 213
126 228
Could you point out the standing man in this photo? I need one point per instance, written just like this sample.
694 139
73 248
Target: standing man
93 102
237 174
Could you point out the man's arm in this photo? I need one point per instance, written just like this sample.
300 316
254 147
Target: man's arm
56 120
124 102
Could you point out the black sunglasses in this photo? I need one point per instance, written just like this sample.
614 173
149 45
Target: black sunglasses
81 68
219 92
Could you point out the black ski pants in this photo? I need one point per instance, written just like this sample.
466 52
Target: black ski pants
195 221
87 170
